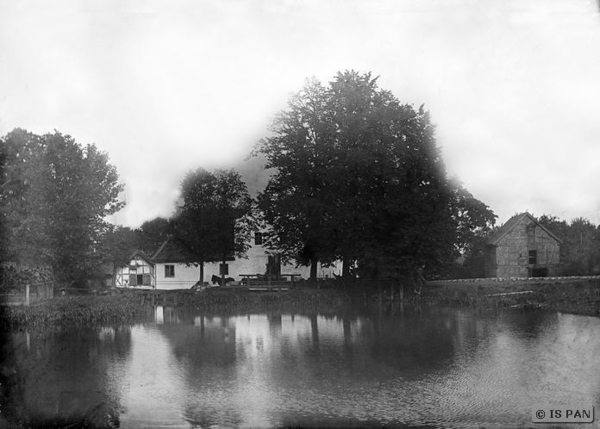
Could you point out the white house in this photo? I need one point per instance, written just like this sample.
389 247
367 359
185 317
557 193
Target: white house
167 269
172 272
260 260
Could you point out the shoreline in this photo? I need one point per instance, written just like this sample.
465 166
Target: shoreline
579 296
576 295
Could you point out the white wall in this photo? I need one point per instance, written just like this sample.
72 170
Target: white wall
257 264
185 277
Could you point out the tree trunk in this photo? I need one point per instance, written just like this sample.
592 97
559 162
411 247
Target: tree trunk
201 272
346 267
313 269
223 270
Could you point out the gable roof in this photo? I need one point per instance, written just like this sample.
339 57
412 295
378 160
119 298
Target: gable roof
135 253
172 250
142 255
511 224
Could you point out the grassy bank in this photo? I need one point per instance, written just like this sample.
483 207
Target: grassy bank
294 301
575 296
76 310
130 307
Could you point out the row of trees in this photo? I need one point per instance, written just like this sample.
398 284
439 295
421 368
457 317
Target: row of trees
357 177
580 247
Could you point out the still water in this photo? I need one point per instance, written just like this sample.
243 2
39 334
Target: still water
391 366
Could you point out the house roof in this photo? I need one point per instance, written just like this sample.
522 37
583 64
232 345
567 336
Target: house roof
172 250
511 224
137 253
142 255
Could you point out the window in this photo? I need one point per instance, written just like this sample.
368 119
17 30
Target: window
533 257
258 238
169 270
140 279
224 269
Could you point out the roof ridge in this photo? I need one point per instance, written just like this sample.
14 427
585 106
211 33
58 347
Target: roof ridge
160 249
511 223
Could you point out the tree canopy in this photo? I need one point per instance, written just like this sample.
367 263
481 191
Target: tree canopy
359 178
580 247
55 195
214 219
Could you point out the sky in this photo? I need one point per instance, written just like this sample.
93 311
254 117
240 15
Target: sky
512 86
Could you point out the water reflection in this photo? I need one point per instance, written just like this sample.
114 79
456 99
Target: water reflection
394 366
59 378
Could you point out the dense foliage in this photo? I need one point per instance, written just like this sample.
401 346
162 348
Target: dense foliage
121 242
580 247
358 177
55 195
215 218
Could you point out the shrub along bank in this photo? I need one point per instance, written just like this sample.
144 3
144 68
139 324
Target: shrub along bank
133 306
577 296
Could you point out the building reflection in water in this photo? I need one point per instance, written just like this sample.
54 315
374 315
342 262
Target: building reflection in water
387 366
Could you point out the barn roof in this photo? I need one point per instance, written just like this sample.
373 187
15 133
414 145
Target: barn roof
511 224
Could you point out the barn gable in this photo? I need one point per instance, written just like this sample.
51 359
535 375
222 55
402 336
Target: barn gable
522 247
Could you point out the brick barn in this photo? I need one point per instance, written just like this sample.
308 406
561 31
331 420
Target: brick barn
522 247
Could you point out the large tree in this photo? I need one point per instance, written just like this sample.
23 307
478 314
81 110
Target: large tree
55 197
215 218
296 202
358 177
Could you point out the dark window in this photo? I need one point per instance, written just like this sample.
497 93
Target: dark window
169 270
140 279
258 238
533 257
224 269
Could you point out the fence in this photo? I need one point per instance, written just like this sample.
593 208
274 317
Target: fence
34 292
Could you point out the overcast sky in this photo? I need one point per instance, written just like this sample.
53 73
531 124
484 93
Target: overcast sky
513 86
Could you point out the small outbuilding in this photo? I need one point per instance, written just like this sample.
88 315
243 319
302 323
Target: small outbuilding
522 247
139 272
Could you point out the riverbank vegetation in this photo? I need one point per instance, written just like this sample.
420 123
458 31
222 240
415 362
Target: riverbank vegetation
76 310
134 307
575 296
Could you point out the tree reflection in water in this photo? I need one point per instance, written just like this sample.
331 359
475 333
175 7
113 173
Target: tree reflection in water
389 365
62 376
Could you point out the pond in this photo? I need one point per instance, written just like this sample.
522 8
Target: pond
393 366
